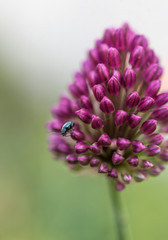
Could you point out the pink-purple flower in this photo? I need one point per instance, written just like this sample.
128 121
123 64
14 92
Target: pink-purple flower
119 115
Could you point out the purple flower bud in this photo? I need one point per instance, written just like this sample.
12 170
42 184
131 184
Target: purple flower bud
83 160
74 90
134 120
132 100
164 155
154 171
139 176
153 88
94 162
137 57
126 178
54 125
95 149
99 92
97 122
129 78
93 78
156 139
117 158
138 146
146 164
145 104
123 143
81 147
103 52
104 140
103 168
119 38
113 86
84 115
120 117
86 102
148 126
87 66
114 60
77 135
161 99
139 40
117 75
81 85
94 55
120 186
113 173
71 158
106 105
160 114
103 72
153 72
108 37
133 161
152 150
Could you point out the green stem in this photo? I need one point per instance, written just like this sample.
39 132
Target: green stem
118 212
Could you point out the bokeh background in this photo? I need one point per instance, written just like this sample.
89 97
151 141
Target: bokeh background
41 43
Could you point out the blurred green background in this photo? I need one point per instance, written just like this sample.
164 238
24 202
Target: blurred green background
41 199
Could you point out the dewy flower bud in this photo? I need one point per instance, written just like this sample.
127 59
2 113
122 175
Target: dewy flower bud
152 150
123 143
129 78
153 72
133 161
114 60
119 39
117 158
120 117
81 147
146 164
103 72
148 126
104 140
134 120
138 146
113 86
145 104
161 99
97 122
84 115
155 139
94 162
99 92
132 100
83 160
137 57
86 102
113 173
106 105
153 88
104 130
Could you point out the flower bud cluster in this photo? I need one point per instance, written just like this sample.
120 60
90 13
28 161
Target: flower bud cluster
120 117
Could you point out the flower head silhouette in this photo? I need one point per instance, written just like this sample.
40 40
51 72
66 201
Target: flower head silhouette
117 117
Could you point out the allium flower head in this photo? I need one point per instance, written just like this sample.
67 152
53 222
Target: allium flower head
120 119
